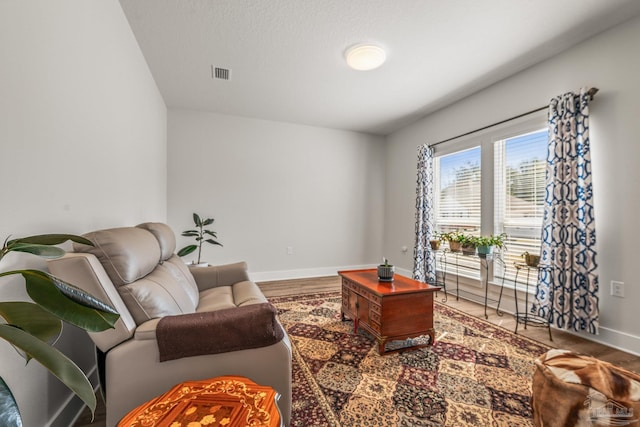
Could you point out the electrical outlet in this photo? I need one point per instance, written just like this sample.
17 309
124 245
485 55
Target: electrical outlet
289 250
617 289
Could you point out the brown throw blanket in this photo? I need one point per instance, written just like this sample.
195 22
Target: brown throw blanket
249 326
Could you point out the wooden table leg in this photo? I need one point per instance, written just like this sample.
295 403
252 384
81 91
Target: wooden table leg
432 335
381 343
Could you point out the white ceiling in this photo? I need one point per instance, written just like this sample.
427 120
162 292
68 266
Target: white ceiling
287 56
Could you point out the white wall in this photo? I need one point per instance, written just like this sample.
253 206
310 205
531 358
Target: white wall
272 185
82 146
611 62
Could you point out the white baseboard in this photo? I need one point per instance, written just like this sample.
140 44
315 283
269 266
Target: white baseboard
619 340
69 412
267 276
402 271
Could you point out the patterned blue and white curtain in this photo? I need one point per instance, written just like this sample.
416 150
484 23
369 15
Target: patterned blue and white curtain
424 266
568 290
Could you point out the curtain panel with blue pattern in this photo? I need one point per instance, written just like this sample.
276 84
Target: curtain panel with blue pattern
424 266
567 292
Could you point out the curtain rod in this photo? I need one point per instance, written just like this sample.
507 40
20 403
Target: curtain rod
591 93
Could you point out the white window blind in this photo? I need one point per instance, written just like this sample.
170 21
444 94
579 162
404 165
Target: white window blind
458 182
519 193
458 202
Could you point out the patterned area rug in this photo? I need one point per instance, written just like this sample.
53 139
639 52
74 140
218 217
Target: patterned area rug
476 374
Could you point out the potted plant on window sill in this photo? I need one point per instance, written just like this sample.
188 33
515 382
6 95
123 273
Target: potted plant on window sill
200 235
530 259
485 244
455 239
436 241
468 245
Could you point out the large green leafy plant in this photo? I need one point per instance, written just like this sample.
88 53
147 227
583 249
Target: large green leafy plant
200 235
32 328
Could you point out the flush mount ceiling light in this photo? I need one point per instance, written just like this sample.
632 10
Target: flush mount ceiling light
364 57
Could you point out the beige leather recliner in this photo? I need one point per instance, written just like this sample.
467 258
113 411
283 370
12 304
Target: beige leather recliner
136 271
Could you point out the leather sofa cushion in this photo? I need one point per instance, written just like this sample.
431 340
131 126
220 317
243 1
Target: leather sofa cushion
158 294
182 274
236 295
149 286
165 237
127 254
219 275
247 292
216 299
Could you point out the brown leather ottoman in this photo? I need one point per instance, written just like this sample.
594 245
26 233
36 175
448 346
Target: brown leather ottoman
570 389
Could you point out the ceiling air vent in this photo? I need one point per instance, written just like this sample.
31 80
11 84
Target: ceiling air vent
220 73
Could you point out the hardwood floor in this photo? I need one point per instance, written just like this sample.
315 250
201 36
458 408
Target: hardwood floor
332 283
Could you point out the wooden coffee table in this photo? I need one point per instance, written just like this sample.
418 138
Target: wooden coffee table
228 401
394 310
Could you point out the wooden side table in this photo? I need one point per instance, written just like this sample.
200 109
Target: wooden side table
229 401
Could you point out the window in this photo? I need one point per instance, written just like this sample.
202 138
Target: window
458 205
519 194
493 184
458 184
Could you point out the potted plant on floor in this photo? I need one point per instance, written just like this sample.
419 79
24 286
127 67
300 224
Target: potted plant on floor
386 271
32 328
200 235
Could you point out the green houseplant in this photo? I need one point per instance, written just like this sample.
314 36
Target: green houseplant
436 240
485 244
32 328
386 271
468 244
530 259
455 239
200 235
